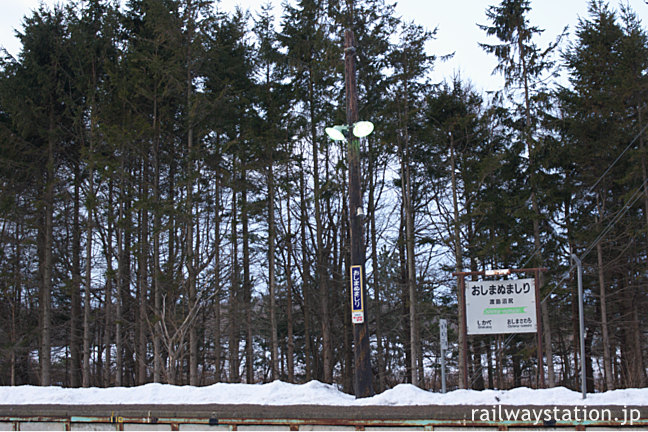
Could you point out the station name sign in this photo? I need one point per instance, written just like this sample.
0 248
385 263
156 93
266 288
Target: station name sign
505 306
357 303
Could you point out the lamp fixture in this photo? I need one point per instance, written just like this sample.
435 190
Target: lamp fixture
363 128
360 129
336 133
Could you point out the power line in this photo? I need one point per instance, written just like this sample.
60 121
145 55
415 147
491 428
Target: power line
631 201
617 159
609 168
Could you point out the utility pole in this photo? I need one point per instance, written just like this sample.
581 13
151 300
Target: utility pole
363 377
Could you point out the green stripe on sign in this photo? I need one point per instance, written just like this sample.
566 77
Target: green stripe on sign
504 310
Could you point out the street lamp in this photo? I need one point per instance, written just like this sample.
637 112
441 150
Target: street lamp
363 375
360 130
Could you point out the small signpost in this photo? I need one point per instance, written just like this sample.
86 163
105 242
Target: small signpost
443 333
443 337
357 305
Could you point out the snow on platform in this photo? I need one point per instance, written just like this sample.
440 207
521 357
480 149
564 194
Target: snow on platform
312 393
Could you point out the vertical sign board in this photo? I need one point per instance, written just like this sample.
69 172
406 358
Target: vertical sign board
505 306
443 334
357 304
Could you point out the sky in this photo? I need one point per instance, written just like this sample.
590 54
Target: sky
455 21
313 392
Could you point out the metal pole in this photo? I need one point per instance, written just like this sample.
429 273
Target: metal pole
363 376
541 380
581 318
443 371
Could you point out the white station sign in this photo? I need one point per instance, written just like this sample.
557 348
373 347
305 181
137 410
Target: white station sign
505 306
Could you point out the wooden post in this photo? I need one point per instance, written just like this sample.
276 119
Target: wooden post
363 376
463 333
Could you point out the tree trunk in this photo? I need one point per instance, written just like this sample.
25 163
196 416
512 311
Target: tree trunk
458 252
110 275
546 324
217 266
589 369
190 256
607 364
218 371
247 282
191 263
411 263
233 294
290 355
308 348
544 309
75 298
404 295
142 279
639 369
47 263
157 228
88 275
408 214
274 355
489 360
123 288
644 169
16 298
321 270
477 366
517 371
380 354
171 277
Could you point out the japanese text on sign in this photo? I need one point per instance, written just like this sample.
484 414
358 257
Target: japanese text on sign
506 306
357 306
443 333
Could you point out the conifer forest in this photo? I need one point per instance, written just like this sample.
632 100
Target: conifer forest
172 210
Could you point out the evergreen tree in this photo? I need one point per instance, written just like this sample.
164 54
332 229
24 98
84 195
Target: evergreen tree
273 99
36 86
602 120
408 85
524 65
306 39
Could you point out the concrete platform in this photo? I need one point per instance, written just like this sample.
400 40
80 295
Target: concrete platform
318 417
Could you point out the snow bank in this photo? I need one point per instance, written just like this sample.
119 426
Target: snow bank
312 393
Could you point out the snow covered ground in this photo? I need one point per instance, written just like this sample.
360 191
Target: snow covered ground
314 392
